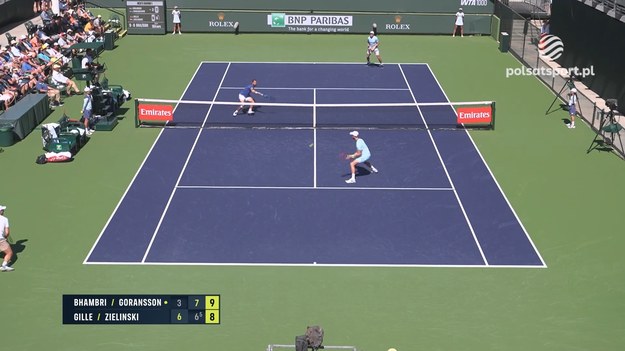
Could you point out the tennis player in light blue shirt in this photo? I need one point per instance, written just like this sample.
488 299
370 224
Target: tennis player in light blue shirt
245 95
361 155
372 47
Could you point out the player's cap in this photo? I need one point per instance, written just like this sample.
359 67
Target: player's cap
87 89
176 7
460 9
372 32
99 16
2 208
573 90
354 133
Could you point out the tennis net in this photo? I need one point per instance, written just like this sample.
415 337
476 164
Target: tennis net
219 114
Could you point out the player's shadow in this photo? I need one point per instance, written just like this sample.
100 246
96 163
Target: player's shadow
17 248
360 172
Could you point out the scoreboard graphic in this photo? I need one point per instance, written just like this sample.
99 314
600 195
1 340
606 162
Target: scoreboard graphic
141 309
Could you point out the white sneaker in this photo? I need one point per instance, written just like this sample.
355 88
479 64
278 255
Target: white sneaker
250 112
235 113
374 170
572 126
350 181
7 269
179 33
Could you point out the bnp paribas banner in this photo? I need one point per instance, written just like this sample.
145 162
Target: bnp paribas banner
311 23
324 23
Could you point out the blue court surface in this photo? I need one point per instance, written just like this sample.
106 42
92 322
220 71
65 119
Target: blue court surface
277 196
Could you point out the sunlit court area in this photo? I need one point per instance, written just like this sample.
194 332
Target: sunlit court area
279 175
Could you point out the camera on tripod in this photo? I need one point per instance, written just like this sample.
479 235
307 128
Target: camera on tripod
612 104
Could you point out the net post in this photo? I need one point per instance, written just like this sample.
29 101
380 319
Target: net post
492 106
136 113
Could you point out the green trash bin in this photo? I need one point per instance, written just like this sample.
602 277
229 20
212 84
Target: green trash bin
6 135
109 40
504 42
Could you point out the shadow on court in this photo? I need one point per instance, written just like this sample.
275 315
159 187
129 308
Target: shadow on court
17 248
360 172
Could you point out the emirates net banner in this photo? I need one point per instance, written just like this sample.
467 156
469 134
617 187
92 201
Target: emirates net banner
152 112
475 115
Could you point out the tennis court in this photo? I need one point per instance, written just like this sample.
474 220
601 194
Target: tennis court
277 195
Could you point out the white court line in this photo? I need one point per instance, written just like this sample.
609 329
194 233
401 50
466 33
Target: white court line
137 173
464 212
236 264
306 188
184 167
493 177
321 88
315 139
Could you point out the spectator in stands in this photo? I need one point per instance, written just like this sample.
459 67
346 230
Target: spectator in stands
82 13
54 53
90 37
30 67
459 24
63 43
544 29
72 20
63 6
45 17
4 244
98 25
177 17
4 55
58 78
23 44
41 34
24 80
43 56
89 27
14 50
7 96
53 94
35 42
